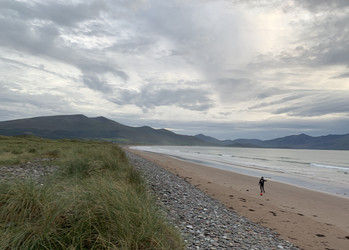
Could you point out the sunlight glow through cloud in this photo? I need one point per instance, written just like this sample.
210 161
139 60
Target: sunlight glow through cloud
226 68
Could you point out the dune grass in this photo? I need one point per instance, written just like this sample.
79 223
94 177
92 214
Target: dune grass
96 201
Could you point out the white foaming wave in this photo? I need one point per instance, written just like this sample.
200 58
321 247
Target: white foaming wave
328 166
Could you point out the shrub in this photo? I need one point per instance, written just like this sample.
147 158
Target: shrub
32 150
16 151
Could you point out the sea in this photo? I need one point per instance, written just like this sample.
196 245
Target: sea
321 170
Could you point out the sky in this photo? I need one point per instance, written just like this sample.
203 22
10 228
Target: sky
229 69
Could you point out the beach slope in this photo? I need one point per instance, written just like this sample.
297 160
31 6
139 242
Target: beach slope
308 219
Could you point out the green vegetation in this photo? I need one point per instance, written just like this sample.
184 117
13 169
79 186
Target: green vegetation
97 200
100 128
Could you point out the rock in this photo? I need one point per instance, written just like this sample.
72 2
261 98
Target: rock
204 223
31 170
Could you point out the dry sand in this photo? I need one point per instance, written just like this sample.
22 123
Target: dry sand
308 219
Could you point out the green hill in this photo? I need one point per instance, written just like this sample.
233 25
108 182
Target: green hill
101 128
80 126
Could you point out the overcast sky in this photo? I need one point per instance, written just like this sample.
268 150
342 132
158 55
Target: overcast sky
226 68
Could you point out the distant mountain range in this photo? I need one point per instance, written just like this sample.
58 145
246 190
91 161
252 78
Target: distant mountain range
101 128
302 141
80 126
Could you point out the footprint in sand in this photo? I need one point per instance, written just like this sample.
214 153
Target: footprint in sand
231 196
251 210
320 235
343 238
242 199
273 213
300 214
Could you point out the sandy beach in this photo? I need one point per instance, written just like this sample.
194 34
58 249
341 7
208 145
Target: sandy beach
308 219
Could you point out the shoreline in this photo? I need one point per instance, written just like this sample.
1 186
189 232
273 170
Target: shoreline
308 219
321 183
295 183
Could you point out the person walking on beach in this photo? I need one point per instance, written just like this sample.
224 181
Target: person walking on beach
261 184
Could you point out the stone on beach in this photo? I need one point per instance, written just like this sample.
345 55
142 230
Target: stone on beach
204 222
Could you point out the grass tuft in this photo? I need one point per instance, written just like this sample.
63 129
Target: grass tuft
96 201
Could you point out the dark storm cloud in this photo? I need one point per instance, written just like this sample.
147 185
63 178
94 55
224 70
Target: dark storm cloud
150 96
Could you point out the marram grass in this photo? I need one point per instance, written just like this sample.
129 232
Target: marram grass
96 201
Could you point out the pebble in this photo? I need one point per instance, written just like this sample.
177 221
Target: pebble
203 222
36 170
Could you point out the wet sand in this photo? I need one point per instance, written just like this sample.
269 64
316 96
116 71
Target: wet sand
308 219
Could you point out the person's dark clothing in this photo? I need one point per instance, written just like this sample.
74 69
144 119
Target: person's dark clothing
261 184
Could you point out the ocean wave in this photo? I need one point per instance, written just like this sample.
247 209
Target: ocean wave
250 158
329 166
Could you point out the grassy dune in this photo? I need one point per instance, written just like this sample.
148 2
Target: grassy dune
95 201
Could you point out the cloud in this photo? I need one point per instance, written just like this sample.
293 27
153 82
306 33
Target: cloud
317 105
345 75
36 26
96 83
151 96
233 65
322 5
20 35
235 89
35 104
306 103
321 38
282 100
59 12
39 29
